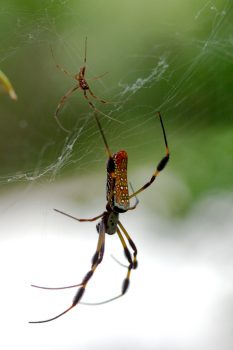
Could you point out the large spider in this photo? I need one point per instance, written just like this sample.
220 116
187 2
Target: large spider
117 202
81 84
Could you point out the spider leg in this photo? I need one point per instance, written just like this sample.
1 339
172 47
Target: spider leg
103 136
84 70
97 110
118 261
61 104
136 199
56 288
96 260
131 243
135 205
85 58
98 77
58 66
97 98
80 220
132 265
161 165
90 103
133 246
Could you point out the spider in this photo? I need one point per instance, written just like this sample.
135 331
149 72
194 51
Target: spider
118 201
81 84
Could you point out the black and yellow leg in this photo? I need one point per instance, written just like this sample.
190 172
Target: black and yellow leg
125 284
132 265
96 260
161 165
132 245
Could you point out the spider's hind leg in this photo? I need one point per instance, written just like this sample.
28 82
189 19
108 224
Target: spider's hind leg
96 260
132 263
131 243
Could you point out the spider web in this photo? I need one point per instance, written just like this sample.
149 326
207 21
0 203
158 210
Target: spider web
175 57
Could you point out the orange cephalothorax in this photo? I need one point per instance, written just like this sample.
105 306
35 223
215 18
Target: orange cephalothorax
117 184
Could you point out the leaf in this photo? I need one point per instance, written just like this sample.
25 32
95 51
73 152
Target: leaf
5 82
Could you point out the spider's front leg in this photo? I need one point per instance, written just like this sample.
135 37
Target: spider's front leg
161 165
80 220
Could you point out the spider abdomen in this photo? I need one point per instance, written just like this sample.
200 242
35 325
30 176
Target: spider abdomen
117 183
121 194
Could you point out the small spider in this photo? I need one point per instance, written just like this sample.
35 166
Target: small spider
82 84
118 197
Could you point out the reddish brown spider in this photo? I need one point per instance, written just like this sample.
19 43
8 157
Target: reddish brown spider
82 84
117 202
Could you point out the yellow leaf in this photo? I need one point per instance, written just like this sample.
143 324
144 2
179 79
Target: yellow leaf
5 82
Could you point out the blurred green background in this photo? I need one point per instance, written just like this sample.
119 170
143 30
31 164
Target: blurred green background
173 56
